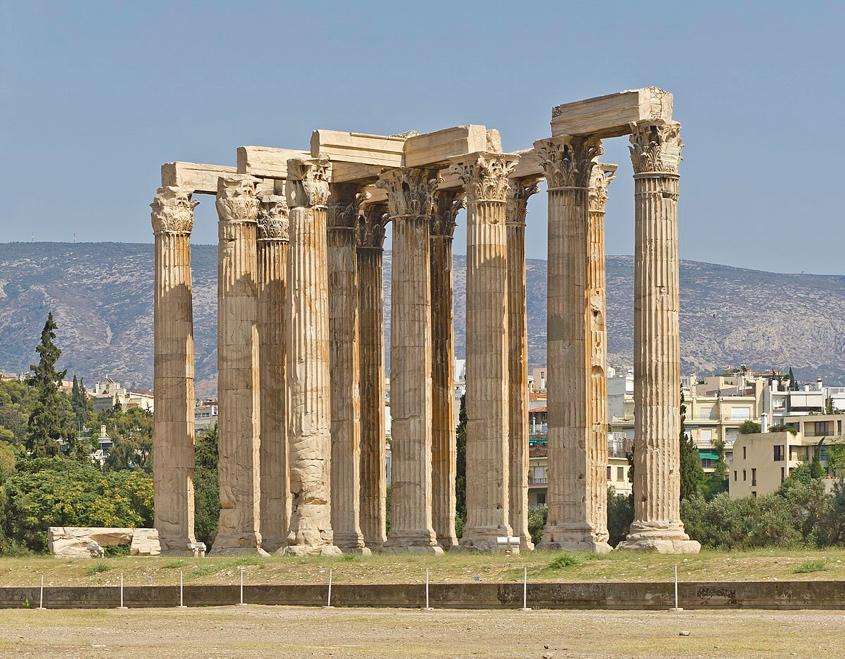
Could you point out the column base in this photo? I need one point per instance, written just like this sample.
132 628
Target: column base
310 550
272 545
351 543
659 538
447 543
418 543
574 538
486 540
526 543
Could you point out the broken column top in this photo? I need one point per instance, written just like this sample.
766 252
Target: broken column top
611 115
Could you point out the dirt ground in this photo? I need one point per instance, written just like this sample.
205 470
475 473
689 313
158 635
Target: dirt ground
301 632
764 565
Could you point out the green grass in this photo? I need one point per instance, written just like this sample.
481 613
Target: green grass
172 565
810 566
97 568
563 561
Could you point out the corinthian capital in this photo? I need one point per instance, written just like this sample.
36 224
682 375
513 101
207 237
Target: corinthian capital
446 206
410 190
173 210
273 218
603 175
518 192
568 161
236 201
656 147
343 206
308 182
372 219
485 175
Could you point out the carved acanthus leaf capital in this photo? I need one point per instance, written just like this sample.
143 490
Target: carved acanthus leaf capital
656 147
308 182
447 204
518 192
602 176
485 175
410 190
372 220
236 200
344 205
173 210
273 223
568 162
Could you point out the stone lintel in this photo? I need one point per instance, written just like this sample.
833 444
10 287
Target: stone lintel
611 115
196 177
343 146
442 145
266 161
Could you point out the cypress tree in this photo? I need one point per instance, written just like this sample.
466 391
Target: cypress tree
461 463
51 420
691 472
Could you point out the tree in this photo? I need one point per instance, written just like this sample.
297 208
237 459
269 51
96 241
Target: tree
749 427
793 383
132 436
206 495
836 460
51 420
620 514
691 472
461 466
79 403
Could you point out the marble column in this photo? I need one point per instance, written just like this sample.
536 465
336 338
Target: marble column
344 368
371 383
443 441
518 193
309 433
568 163
600 178
485 179
656 154
238 369
272 251
410 199
173 425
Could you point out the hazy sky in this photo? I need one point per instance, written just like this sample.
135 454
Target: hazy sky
94 96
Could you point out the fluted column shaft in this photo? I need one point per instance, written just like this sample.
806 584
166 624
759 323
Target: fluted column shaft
443 442
371 356
655 154
410 198
487 480
272 251
238 369
518 193
568 164
309 433
597 456
344 361
173 425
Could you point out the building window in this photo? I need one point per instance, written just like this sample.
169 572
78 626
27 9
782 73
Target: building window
620 473
753 476
735 473
782 474
778 452
608 472
823 428
740 413
744 454
541 498
744 476
754 494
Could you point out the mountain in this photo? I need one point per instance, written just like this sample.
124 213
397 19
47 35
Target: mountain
101 297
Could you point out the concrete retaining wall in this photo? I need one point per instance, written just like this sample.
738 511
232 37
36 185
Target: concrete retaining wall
693 595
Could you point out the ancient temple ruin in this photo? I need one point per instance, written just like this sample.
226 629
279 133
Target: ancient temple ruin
301 339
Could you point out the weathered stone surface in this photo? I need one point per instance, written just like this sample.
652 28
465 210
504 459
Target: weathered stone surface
343 146
173 425
657 526
485 179
519 190
265 161
238 366
194 177
373 491
568 164
442 145
87 542
410 199
443 440
272 254
611 115
309 433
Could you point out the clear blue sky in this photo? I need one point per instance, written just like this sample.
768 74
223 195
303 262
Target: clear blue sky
94 96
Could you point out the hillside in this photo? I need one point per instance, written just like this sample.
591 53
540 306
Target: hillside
101 296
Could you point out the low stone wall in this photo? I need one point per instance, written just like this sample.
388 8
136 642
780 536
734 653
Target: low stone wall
655 596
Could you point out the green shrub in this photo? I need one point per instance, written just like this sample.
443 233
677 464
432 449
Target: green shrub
537 522
810 566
